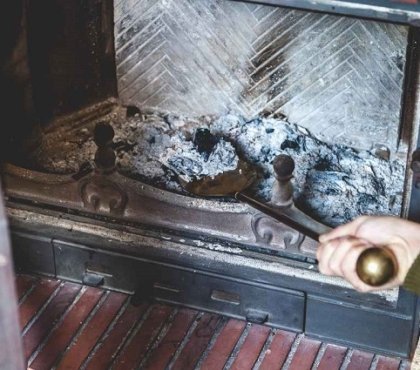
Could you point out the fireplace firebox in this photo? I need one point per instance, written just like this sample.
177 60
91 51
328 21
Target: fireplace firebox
115 105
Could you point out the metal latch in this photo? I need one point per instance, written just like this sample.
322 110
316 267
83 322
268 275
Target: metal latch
93 279
256 316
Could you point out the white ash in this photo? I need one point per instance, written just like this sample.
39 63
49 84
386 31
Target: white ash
184 159
159 149
333 183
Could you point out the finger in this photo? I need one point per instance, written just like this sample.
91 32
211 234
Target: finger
386 230
337 259
324 253
349 229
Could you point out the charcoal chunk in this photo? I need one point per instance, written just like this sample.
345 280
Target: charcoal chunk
289 144
204 141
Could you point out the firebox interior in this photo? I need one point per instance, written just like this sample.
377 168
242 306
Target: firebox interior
190 88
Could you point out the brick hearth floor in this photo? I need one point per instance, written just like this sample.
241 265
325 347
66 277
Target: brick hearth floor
68 326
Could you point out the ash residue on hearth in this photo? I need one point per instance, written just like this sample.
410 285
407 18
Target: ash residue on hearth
333 183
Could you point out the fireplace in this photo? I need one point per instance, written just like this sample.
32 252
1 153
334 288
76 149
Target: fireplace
120 101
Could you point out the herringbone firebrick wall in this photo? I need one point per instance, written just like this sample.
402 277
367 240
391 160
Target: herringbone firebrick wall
339 77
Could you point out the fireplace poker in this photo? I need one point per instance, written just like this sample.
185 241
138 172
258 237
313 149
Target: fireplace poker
376 266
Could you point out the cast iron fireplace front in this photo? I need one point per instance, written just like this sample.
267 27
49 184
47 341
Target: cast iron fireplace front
345 84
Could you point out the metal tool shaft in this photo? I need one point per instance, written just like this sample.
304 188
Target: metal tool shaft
376 266
280 216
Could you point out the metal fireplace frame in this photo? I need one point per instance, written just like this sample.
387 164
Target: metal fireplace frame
126 240
405 12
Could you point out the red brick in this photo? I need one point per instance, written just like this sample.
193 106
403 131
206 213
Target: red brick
305 354
162 355
62 335
133 353
386 363
104 356
360 361
332 358
197 343
35 300
23 284
224 345
92 332
46 321
276 354
251 348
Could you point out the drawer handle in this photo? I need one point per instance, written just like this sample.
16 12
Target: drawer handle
256 316
166 288
226 297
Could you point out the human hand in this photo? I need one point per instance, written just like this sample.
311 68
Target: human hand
340 249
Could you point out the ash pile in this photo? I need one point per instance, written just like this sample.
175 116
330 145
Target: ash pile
333 183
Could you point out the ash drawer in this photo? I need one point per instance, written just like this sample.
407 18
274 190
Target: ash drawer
33 254
356 325
257 303
239 298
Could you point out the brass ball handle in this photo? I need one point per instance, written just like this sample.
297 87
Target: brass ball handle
377 266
